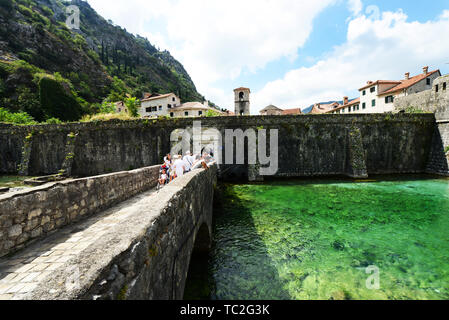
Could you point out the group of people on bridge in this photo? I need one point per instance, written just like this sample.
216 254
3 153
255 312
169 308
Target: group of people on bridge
177 165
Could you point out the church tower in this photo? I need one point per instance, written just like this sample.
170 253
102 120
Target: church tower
242 105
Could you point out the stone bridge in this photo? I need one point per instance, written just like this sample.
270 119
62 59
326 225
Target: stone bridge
112 236
105 237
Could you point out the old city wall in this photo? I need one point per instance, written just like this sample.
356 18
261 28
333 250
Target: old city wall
354 145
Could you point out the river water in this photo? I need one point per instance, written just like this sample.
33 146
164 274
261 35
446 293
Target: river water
380 239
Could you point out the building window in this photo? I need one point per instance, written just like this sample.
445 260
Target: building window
373 89
373 103
364 105
148 110
389 99
349 109
173 99
160 108
342 110
364 92
436 88
169 106
200 113
444 85
428 81
186 113
172 114
241 95
154 109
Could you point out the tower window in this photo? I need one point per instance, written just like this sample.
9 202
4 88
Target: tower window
241 95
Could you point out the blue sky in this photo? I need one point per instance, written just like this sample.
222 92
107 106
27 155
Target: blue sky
290 53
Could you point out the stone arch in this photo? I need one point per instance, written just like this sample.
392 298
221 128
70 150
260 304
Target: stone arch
198 264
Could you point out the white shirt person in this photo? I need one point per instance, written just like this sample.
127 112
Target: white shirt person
179 166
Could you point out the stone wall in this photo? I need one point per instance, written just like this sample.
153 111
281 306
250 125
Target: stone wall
11 144
33 213
147 257
428 101
313 145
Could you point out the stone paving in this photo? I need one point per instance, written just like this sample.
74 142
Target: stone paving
22 272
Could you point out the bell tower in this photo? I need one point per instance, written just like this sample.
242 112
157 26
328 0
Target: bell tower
242 105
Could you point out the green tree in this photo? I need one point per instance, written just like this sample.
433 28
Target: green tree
212 113
133 106
107 107
16 118
56 102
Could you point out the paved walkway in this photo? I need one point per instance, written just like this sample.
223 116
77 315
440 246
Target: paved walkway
21 273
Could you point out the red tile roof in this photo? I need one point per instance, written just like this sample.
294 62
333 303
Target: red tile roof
405 84
323 108
158 97
380 82
242 89
351 103
292 111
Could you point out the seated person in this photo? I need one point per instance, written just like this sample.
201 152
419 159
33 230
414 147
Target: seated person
163 178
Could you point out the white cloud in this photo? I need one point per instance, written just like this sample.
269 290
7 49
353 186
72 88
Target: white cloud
380 49
218 40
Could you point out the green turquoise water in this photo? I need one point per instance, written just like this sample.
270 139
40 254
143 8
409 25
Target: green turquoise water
315 240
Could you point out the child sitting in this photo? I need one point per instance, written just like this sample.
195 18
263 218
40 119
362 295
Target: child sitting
163 178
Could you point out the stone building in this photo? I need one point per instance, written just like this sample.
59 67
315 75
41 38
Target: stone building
158 105
242 104
349 106
193 109
120 107
289 112
271 110
379 96
320 108
432 100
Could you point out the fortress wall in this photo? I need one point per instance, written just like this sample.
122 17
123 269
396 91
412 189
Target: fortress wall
313 145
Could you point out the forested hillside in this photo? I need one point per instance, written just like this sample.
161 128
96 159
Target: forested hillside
50 71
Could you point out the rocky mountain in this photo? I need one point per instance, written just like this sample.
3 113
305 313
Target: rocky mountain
82 67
